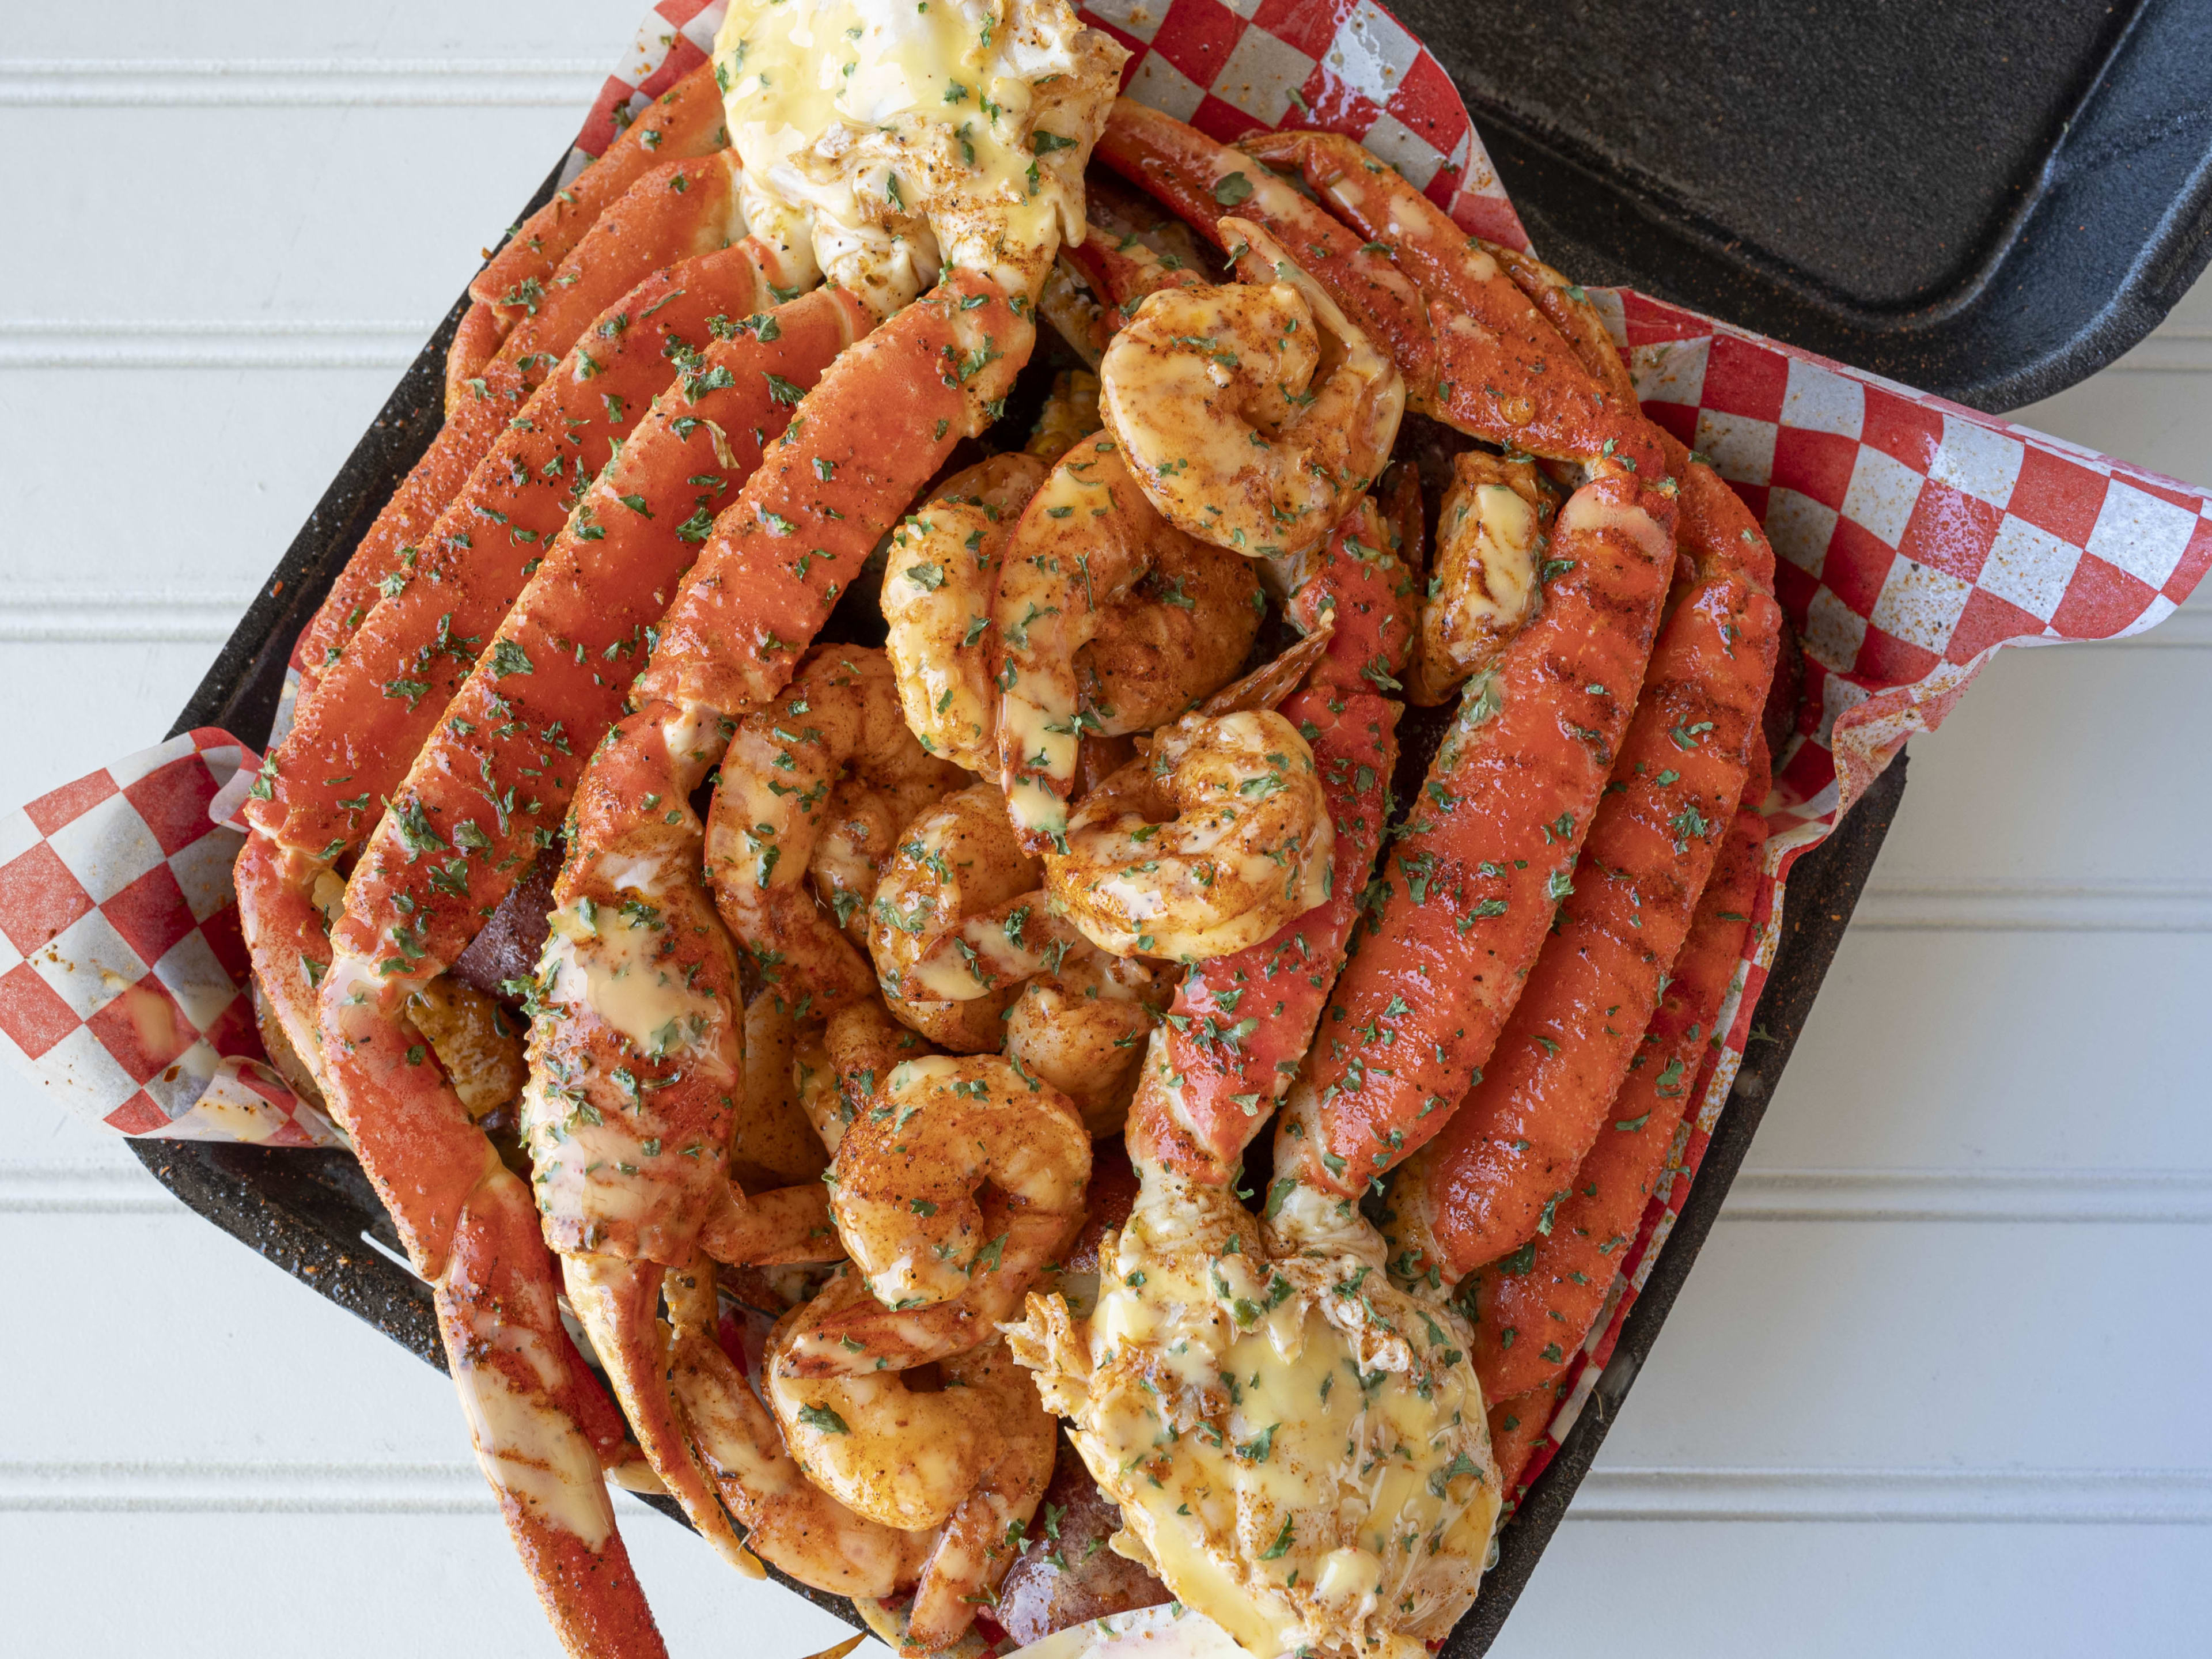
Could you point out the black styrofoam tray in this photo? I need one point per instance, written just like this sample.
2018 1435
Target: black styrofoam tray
312 1213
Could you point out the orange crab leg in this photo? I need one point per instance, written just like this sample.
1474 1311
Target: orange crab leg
543 1427
495 776
1231 1044
878 427
385 694
456 839
678 210
1466 896
384 691
529 1397
683 122
1573 1031
636 1059
1517 1426
1536 1308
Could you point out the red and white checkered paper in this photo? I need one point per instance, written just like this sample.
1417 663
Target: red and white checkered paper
123 975
1914 537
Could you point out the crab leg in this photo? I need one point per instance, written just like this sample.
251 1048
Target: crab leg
683 122
680 211
1553 1296
858 451
383 694
450 846
481 799
1572 1032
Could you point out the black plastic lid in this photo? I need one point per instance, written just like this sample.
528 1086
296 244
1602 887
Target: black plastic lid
1986 201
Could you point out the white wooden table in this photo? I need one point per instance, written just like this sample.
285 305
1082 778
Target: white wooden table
1934 1388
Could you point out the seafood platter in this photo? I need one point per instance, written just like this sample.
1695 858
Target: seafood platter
1031 853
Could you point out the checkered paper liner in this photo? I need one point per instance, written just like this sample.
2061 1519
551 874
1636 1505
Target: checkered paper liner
123 975
1915 537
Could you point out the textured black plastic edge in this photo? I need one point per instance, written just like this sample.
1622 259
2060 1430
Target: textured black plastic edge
310 1213
1823 887
2119 227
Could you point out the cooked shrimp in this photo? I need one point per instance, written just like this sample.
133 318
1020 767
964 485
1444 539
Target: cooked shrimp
860 837
771 1142
789 1520
814 1080
1255 415
1490 536
835 1065
957 1184
938 583
1083 542
960 921
775 1227
770 808
1183 631
891 1451
1217 839
949 1156
1081 1027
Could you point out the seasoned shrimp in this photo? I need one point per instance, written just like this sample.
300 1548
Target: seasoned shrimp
1184 631
789 1521
1255 413
860 837
960 921
1490 536
956 1165
1206 847
939 581
771 806
771 1142
1086 539
958 1182
913 1459
1183 627
1081 1027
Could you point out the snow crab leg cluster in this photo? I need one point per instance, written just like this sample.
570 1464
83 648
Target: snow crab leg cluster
853 950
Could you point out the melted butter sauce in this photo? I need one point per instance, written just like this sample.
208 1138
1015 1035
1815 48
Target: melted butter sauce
893 137
612 965
1587 512
1297 1451
533 1454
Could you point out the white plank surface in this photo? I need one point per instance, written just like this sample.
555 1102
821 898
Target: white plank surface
1933 1387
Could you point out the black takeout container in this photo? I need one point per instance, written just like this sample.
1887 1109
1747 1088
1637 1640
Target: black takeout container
311 1211
2005 198
1986 199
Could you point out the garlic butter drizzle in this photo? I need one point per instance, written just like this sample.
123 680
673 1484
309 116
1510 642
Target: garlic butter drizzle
898 137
